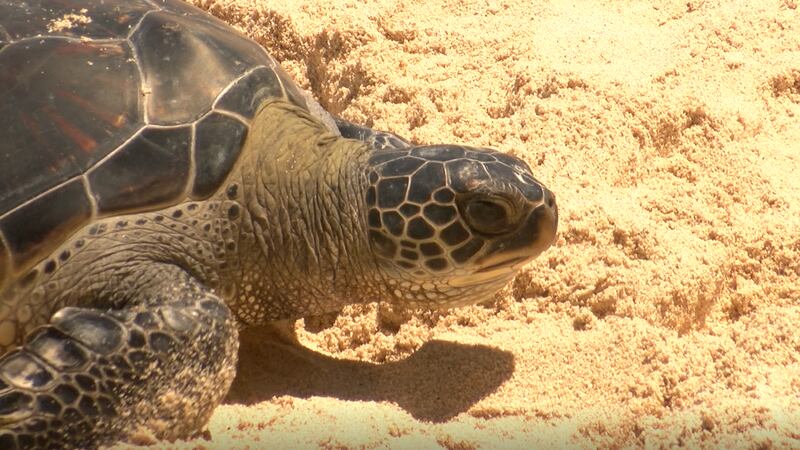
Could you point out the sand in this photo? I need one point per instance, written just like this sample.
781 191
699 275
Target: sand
666 314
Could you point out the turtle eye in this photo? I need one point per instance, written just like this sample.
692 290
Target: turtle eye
489 215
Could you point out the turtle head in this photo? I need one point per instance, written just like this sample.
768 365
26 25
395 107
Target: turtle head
450 225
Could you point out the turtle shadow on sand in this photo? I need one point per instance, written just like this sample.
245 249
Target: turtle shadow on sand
436 383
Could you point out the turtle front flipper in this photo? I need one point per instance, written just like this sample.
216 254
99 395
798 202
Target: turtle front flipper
92 377
378 140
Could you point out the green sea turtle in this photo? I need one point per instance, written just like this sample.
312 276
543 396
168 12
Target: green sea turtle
163 183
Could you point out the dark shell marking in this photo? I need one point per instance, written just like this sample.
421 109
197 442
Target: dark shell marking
142 106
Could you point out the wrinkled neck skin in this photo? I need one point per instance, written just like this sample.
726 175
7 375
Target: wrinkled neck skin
305 249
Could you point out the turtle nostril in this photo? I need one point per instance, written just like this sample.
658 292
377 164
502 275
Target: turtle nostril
548 220
552 207
549 199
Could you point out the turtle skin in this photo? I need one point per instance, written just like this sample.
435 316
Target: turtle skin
164 183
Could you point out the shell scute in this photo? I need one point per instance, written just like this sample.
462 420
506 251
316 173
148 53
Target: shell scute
248 92
107 20
62 111
151 169
37 228
187 63
218 142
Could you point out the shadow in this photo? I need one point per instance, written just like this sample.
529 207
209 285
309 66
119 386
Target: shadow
437 382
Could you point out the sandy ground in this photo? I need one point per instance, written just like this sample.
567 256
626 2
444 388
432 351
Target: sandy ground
666 314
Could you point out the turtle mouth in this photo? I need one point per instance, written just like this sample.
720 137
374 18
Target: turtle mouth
496 273
506 263
500 271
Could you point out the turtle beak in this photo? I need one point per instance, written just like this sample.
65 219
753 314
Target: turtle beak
537 233
546 218
506 256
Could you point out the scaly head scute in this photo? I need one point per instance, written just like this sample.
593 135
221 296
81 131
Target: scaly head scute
452 224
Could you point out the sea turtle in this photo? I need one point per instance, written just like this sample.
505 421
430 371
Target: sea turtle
163 183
